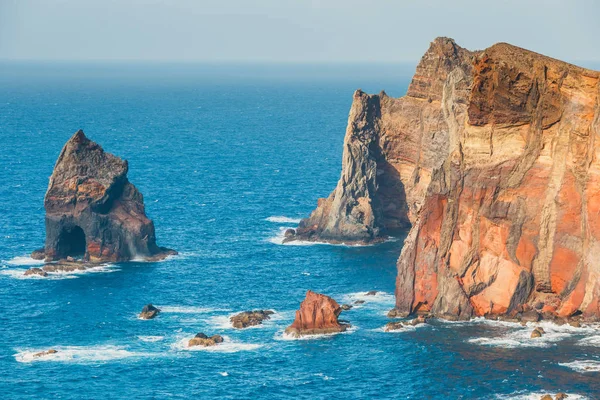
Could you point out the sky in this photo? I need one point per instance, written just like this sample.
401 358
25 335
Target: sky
286 31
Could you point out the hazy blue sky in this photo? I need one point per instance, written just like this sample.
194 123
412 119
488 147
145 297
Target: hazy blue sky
289 31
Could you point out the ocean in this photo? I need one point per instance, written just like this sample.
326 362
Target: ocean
227 157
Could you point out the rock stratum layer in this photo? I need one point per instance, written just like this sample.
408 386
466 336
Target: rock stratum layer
92 211
492 158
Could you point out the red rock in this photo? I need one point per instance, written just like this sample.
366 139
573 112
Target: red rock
318 314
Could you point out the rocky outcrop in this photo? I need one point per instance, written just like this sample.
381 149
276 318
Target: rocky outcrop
318 314
149 312
45 353
391 149
491 158
250 318
509 219
203 340
93 212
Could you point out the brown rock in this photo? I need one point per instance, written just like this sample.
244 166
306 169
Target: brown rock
38 254
250 318
92 211
393 326
45 353
546 397
346 307
393 313
530 316
359 302
561 396
35 271
318 314
371 293
202 340
149 312
575 324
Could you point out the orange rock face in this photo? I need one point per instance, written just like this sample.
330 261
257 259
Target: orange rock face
318 314
493 157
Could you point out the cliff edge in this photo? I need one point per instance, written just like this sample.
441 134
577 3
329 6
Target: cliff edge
492 159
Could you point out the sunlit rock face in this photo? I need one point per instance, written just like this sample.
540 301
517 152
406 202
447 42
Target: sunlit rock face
491 159
93 213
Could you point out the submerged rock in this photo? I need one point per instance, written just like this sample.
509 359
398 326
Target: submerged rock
149 312
371 293
393 326
202 340
45 353
346 307
250 318
318 314
35 271
93 213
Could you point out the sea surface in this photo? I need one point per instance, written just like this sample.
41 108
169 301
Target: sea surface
227 157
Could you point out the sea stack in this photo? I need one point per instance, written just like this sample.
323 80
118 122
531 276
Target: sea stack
492 160
318 314
93 213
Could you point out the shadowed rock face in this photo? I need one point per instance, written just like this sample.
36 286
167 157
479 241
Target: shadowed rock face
496 153
92 211
391 148
318 314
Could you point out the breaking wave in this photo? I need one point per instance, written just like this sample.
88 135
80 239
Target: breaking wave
583 365
283 220
19 273
23 260
282 335
81 354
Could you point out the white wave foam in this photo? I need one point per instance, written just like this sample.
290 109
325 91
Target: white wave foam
79 354
151 339
283 220
188 309
24 260
590 341
228 346
583 366
282 335
19 273
225 373
520 336
380 298
536 396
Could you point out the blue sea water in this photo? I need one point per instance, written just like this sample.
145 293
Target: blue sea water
227 156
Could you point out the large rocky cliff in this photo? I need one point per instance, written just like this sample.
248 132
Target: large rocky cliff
492 158
93 212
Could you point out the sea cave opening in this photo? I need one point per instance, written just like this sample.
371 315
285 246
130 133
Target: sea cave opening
71 243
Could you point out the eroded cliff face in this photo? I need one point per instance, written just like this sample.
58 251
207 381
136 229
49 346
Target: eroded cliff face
92 211
391 148
510 219
494 157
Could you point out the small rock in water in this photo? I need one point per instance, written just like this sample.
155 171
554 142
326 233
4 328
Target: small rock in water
536 333
546 397
575 324
346 307
289 235
393 326
359 302
250 318
202 340
39 254
35 271
371 293
561 396
149 312
45 353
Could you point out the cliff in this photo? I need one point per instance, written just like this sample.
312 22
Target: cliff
93 212
491 157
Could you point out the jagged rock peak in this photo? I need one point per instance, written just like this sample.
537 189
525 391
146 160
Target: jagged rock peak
93 212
